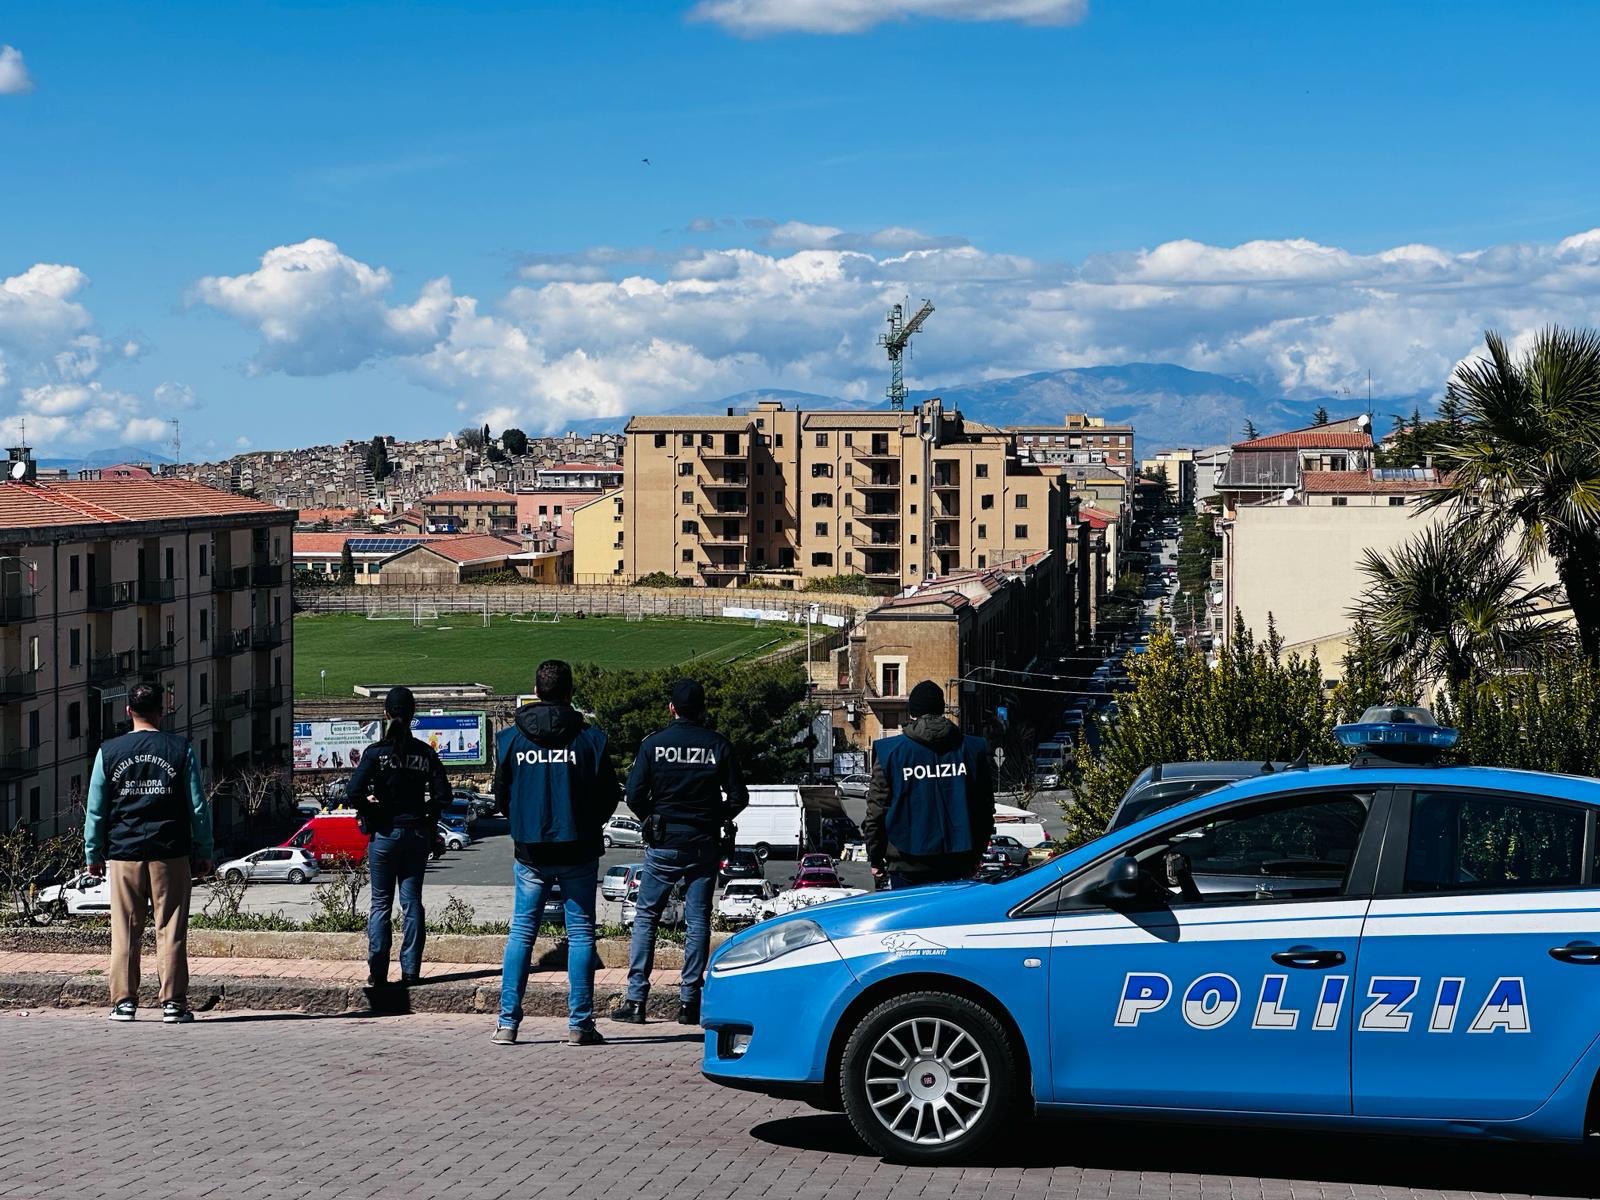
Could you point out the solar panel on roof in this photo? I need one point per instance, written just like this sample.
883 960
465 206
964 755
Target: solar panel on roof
384 545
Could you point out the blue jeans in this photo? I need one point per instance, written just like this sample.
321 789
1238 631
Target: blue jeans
664 869
578 884
397 858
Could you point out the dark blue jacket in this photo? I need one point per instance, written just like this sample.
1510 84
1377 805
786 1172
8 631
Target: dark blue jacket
146 802
554 778
399 785
688 776
930 806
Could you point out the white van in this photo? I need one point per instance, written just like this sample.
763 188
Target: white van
775 822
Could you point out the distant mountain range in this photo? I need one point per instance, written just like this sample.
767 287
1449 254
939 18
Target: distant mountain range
108 457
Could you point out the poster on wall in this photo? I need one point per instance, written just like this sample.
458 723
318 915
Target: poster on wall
333 745
457 736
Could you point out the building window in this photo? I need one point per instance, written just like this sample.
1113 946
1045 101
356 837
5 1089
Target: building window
986 501
686 469
761 526
849 439
849 559
1397 501
688 497
981 470
205 688
913 481
172 571
848 528
74 720
74 647
777 439
205 618
691 527
661 441
33 729
761 468
913 510
822 559
913 539
1022 501
74 575
618 571
205 561
821 500
822 439
1022 532
983 560
688 439
34 661
891 679
761 497
822 470
1340 501
707 442
33 805
688 556
777 525
822 529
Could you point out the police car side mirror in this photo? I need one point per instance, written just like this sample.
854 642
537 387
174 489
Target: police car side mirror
1125 880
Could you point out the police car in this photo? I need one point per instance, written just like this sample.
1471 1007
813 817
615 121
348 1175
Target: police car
1387 945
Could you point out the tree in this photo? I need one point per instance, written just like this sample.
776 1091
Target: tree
1452 607
347 566
378 460
1250 433
1525 461
1450 413
257 790
1320 417
472 437
487 439
515 442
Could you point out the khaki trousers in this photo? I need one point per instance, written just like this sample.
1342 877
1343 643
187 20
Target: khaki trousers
136 887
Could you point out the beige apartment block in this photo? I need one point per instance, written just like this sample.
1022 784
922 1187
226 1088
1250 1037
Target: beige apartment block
1080 440
106 583
782 496
597 541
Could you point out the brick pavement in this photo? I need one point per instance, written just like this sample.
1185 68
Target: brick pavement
246 1105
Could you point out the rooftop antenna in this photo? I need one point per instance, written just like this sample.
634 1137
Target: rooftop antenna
896 342
177 443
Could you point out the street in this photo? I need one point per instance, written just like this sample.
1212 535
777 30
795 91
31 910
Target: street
423 1106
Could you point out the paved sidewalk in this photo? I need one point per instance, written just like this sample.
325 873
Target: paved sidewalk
247 1105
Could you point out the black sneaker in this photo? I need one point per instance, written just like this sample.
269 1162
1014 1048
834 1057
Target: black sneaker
631 1011
689 1011
374 980
505 1035
410 980
589 1036
176 1012
124 1010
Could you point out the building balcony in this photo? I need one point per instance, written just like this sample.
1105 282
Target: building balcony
724 483
108 596
946 483
880 571
731 510
723 454
269 697
232 641
866 515
234 705
271 574
20 607
110 666
267 636
947 515
230 579
15 763
1218 571
734 542
871 453
157 658
20 685
156 591
885 542
876 485
725 568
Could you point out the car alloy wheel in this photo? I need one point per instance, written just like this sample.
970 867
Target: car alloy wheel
235 876
607 840
928 1077
455 843
297 876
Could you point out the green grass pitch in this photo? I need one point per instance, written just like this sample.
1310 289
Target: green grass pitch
457 648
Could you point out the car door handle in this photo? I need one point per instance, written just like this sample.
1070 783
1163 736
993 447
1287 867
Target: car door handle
1576 952
1308 957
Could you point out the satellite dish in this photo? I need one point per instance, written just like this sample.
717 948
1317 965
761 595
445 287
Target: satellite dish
18 470
1363 421
1288 495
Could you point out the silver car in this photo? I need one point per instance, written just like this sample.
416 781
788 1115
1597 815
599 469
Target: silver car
855 786
617 880
623 831
276 864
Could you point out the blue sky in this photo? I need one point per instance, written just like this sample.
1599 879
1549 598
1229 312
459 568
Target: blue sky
463 228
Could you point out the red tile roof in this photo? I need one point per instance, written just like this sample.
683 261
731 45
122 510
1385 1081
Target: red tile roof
1095 517
1360 483
119 501
1315 438
479 497
471 548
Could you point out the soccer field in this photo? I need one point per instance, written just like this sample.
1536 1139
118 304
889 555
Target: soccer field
457 648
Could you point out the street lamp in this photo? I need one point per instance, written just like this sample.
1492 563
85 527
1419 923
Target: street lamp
324 674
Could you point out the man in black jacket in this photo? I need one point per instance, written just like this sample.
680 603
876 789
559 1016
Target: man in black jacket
930 805
685 785
554 780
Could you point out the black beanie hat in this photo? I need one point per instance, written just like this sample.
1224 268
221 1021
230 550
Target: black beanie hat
927 699
400 704
689 698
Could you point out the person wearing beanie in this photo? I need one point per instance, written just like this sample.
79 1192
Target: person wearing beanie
398 791
930 805
685 786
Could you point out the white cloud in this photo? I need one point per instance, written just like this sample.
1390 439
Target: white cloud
753 18
51 362
14 77
607 331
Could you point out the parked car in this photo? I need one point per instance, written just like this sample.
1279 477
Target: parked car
82 895
995 866
275 864
454 839
1009 848
817 877
855 785
1166 784
744 899
614 884
821 862
306 806
623 831
455 821
462 811
671 915
481 803
743 863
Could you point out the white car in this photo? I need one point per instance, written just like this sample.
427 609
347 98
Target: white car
620 879
623 831
275 864
797 898
855 786
82 895
745 899
454 839
671 915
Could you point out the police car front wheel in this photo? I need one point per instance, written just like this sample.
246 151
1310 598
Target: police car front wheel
927 1077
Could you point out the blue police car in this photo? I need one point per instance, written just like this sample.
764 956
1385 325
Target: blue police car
1385 945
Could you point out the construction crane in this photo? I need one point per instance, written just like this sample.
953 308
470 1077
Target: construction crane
896 342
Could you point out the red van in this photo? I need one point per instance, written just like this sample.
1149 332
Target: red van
330 836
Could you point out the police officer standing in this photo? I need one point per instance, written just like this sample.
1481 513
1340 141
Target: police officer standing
930 805
148 826
684 786
398 791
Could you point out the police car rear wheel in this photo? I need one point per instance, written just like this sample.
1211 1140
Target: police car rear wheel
928 1077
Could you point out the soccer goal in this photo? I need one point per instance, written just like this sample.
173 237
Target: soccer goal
414 612
537 618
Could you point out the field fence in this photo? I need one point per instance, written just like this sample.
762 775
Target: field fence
379 604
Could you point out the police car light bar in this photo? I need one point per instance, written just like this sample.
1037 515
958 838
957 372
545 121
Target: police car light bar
1384 726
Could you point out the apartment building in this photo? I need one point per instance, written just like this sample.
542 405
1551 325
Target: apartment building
485 511
1177 466
104 583
783 496
1079 440
597 541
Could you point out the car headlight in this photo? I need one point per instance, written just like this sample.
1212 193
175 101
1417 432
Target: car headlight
768 944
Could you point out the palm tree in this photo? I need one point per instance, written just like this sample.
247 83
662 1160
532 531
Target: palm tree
1523 458
1450 607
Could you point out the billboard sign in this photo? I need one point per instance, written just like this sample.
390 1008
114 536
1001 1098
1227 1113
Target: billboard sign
457 736
333 745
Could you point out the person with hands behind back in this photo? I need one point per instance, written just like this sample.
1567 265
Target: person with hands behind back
148 831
